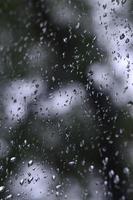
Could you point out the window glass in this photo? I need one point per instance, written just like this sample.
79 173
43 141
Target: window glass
66 103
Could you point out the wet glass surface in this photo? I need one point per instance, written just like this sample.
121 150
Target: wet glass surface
66 100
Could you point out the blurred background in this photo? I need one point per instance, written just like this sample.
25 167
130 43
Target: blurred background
66 100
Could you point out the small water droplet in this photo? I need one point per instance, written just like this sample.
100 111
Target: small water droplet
2 188
58 186
66 196
30 179
123 1
18 195
105 183
116 179
111 173
25 142
57 193
22 182
91 168
30 163
9 196
65 40
122 36
77 25
13 159
127 40
53 78
126 170
71 163
53 177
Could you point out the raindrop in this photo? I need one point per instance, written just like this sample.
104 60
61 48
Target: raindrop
77 26
30 163
30 179
57 193
25 142
111 173
121 131
13 159
71 163
123 1
66 196
91 168
22 182
126 171
105 183
58 186
127 40
53 78
116 179
53 177
65 40
2 188
122 36
82 143
9 196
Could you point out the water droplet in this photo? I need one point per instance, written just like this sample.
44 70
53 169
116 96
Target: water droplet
53 177
13 159
30 179
127 40
2 188
105 183
25 142
71 163
77 26
126 170
121 131
91 168
111 173
30 163
82 143
53 78
123 1
65 40
9 196
116 179
57 193
122 36
66 196
58 186
22 182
